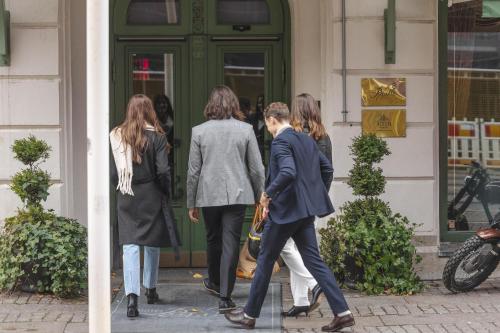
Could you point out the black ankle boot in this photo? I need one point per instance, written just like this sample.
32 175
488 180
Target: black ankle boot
152 295
132 306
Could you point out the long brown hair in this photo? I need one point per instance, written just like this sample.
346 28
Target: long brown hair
306 114
223 104
140 113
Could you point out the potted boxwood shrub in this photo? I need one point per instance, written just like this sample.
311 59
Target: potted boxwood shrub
366 243
39 250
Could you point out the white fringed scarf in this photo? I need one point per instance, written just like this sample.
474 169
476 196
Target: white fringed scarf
122 154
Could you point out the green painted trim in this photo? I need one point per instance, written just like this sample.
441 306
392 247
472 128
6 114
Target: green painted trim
390 32
445 234
4 35
443 119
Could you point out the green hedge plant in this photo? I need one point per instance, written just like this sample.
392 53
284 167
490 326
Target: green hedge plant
40 251
366 242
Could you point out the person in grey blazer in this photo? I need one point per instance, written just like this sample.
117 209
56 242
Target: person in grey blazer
225 174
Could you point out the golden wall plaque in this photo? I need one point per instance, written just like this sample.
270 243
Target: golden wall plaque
383 92
384 123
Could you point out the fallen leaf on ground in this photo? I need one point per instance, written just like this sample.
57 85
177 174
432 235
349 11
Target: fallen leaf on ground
197 276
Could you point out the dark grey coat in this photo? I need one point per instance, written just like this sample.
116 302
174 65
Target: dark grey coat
324 145
147 218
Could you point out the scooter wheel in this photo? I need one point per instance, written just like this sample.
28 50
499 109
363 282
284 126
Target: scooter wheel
470 246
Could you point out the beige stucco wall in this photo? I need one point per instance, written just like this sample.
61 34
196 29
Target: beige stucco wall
31 95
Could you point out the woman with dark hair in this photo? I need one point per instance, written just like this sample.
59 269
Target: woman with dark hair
225 174
165 113
305 117
141 176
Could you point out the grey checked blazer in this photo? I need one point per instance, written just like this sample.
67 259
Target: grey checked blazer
225 166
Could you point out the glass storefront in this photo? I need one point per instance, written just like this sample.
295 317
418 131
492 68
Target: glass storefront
473 107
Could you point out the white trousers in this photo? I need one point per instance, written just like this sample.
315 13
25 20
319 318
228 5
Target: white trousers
300 278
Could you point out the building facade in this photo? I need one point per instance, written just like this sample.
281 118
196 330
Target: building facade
177 50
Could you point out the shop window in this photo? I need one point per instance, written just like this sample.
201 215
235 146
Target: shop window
473 75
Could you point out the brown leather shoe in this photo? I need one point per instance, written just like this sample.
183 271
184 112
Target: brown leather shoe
237 316
339 323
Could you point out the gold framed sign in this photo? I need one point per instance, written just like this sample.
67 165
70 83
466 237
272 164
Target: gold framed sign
383 92
384 123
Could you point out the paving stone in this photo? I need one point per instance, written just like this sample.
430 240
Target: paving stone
477 308
410 329
377 310
22 299
52 316
423 328
390 310
79 317
440 309
437 328
427 309
451 328
12 317
363 311
38 316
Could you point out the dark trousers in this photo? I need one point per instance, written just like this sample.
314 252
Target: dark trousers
273 241
223 226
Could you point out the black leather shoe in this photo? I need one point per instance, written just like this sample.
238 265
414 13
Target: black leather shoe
237 317
226 305
296 310
212 288
152 295
316 292
339 323
132 310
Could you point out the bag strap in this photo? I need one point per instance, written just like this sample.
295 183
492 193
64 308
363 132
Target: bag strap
258 220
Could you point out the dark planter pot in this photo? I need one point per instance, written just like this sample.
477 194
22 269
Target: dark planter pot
353 273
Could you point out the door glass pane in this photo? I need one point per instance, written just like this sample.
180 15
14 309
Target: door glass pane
245 74
243 12
153 76
153 12
473 103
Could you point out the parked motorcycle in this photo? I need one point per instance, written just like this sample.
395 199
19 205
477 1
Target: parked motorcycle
479 256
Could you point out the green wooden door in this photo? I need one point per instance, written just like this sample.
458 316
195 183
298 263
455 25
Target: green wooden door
158 70
199 45
254 71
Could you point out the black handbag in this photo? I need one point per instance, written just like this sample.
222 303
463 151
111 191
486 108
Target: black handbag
255 233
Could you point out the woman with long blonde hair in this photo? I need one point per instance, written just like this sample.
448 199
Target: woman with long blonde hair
225 174
141 176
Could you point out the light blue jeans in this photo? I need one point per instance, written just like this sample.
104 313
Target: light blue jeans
132 268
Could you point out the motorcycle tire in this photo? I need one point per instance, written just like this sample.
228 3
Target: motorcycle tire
472 244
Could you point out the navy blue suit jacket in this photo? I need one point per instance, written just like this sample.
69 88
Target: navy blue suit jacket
298 179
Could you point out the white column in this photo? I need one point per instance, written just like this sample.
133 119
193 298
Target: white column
98 165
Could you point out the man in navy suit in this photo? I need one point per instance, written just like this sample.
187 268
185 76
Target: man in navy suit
296 191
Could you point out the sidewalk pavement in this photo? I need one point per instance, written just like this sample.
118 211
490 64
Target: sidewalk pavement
434 310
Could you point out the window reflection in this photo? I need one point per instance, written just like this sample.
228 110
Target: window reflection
153 76
473 97
153 12
243 12
244 73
